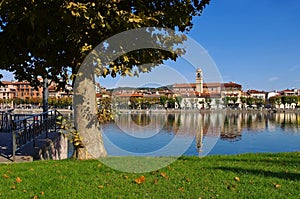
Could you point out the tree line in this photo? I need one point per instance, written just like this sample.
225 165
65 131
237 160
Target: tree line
170 102
64 102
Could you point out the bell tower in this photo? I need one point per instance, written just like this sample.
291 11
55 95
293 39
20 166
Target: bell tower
199 81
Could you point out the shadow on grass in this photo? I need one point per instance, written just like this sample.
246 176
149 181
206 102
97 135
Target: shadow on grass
281 175
283 162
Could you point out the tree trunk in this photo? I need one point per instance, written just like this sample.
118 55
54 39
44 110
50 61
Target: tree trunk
86 121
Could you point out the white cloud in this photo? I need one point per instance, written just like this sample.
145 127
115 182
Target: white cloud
272 79
293 68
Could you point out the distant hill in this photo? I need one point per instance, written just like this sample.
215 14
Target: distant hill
167 87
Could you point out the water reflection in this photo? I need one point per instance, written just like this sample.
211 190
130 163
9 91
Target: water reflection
237 122
228 126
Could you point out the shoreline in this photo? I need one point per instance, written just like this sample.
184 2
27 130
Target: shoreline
126 111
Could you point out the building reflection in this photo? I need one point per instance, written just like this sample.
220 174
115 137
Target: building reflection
227 126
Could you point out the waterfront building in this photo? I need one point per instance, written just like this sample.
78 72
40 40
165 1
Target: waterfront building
257 94
7 90
201 95
22 90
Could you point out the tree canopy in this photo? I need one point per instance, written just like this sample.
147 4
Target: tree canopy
51 38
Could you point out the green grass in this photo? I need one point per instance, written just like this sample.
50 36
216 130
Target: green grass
238 176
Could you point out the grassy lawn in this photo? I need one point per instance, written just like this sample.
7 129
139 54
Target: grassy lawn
238 176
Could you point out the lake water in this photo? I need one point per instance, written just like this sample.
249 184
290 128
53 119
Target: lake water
199 134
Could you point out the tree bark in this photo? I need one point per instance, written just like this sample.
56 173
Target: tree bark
86 121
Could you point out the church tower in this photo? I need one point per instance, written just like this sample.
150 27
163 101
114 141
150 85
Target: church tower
199 81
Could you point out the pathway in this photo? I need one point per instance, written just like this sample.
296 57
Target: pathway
28 152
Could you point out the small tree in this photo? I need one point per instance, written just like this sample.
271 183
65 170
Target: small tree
234 100
250 101
284 101
178 100
259 102
226 101
163 101
243 100
171 102
208 101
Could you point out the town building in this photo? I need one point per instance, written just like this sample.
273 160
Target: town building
257 94
22 90
7 90
198 95
201 95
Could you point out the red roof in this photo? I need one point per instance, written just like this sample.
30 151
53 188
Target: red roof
232 84
184 86
212 84
256 92
288 91
208 85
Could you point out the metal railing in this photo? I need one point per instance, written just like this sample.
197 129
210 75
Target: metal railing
26 128
5 120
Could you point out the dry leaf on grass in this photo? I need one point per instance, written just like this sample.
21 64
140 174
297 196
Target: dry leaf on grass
164 175
237 179
277 185
18 180
181 189
5 176
140 180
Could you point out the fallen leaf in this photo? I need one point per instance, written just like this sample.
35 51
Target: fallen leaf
42 193
181 189
5 176
277 185
126 177
18 180
237 179
100 186
24 191
164 175
140 180
35 197
13 187
155 181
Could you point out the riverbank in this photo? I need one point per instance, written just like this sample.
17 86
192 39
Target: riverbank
210 111
37 111
70 112
238 176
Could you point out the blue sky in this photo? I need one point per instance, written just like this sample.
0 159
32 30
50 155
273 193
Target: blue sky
255 43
